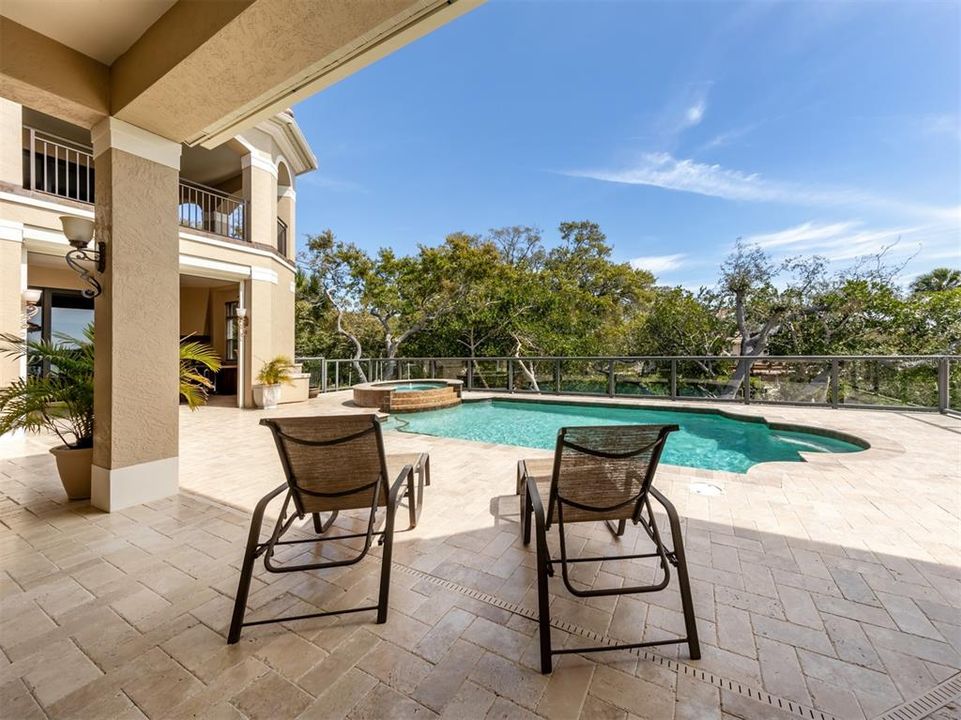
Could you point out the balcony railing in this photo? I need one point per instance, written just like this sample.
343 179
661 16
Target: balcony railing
211 210
57 166
923 382
281 237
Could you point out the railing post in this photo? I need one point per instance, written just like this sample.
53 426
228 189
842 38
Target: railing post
747 385
433 369
336 374
470 373
835 383
510 375
557 376
673 378
323 375
611 379
370 369
33 159
944 388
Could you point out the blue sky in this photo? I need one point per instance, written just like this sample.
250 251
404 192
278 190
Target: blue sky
809 127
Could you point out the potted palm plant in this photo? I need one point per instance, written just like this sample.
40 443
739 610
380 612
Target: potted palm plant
60 400
271 377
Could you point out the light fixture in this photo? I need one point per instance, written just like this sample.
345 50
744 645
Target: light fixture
79 233
242 320
31 298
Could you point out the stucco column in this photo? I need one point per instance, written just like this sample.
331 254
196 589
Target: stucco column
260 192
11 142
137 317
13 281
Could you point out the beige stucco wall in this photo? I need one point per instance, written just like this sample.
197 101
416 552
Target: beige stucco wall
11 308
11 142
49 277
136 317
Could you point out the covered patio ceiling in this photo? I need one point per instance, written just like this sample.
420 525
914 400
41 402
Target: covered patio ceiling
197 72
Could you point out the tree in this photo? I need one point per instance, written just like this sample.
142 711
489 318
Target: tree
337 271
937 280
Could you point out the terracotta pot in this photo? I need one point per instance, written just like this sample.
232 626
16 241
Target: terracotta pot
74 468
266 396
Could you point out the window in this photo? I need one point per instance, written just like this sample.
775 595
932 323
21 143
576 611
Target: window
231 334
63 314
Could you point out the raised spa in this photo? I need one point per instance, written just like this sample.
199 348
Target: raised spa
408 395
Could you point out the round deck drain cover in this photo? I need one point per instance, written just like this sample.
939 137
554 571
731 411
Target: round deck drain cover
702 488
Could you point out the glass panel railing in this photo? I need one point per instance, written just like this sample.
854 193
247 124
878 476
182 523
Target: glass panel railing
888 382
584 377
642 378
710 379
489 375
791 381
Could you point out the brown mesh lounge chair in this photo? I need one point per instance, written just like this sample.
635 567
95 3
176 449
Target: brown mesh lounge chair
602 473
332 463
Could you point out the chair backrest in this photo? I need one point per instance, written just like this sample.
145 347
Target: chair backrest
332 462
604 473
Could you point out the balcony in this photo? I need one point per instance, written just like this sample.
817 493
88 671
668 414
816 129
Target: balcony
211 210
57 166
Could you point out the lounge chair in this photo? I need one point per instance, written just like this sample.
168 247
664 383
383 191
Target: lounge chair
602 474
332 463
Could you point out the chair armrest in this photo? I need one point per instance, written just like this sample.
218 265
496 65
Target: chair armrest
537 506
665 503
393 496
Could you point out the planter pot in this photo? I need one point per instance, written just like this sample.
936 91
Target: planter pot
74 468
266 396
313 392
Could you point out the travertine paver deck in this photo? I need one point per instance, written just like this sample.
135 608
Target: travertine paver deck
827 588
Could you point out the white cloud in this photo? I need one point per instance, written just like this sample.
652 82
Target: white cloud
849 240
658 263
695 113
663 170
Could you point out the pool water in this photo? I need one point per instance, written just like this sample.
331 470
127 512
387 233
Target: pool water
413 387
705 440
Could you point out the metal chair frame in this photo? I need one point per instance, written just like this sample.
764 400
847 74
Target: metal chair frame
285 520
532 506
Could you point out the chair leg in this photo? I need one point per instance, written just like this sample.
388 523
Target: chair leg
386 557
687 600
526 513
543 603
320 527
247 568
619 530
427 471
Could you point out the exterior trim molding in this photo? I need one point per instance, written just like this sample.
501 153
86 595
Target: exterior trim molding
113 489
187 235
261 163
263 274
11 231
45 204
119 135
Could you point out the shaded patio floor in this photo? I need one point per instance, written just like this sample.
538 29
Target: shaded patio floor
824 589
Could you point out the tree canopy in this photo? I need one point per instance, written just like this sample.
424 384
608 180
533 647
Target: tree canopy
506 294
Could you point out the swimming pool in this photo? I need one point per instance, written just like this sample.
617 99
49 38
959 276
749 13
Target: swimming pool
706 440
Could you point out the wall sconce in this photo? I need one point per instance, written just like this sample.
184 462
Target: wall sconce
243 321
79 232
31 298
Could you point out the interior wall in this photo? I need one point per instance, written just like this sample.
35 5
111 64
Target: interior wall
194 311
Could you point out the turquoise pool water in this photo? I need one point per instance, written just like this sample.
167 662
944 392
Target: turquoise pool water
705 440
414 386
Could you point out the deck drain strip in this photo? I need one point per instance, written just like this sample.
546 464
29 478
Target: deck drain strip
933 700
783 704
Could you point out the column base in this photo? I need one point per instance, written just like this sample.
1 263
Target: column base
113 489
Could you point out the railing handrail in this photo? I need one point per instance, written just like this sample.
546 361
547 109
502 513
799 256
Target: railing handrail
211 190
51 138
859 392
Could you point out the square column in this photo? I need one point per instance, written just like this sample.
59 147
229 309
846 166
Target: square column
13 281
136 371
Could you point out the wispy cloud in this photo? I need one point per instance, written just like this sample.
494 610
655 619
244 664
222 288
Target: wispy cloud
841 241
663 170
659 263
